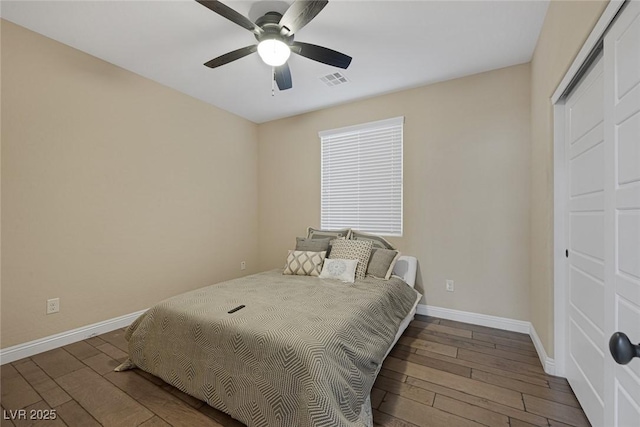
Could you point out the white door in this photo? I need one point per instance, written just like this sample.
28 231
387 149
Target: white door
622 218
585 147
602 143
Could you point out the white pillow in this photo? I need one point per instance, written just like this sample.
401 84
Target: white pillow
340 269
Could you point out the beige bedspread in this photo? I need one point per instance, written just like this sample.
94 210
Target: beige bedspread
304 351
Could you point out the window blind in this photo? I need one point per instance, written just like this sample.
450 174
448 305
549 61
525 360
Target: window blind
362 177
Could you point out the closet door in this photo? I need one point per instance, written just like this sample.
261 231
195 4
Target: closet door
622 219
602 146
585 323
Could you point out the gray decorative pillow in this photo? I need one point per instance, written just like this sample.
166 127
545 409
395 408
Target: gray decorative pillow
303 263
353 249
313 245
378 241
381 263
313 233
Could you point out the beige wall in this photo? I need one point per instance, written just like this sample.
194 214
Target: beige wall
466 186
566 27
116 191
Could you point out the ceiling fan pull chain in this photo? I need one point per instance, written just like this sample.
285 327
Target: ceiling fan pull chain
273 81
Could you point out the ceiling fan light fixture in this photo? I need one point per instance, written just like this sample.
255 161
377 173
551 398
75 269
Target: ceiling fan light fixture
274 52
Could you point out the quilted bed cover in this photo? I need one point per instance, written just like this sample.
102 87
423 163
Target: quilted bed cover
303 351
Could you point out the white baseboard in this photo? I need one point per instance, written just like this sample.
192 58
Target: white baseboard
20 351
548 363
503 323
475 318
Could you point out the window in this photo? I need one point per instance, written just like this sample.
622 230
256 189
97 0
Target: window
362 177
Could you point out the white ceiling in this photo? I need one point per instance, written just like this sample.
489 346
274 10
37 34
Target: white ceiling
395 45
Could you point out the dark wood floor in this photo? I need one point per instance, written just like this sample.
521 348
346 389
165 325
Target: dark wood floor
441 373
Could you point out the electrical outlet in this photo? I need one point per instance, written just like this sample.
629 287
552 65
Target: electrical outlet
449 285
53 305
243 265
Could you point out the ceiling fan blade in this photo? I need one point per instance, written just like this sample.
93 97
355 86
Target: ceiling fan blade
283 77
321 54
299 14
231 56
233 16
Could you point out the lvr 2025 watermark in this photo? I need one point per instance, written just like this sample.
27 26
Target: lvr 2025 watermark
29 414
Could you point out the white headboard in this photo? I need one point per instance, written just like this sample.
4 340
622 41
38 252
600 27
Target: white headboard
406 268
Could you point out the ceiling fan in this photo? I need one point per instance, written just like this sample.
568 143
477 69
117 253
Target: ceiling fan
275 34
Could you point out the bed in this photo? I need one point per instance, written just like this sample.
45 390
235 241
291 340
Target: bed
303 351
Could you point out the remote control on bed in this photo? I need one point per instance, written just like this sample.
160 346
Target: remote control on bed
233 310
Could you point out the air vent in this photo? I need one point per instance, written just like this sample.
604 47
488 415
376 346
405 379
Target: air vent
334 79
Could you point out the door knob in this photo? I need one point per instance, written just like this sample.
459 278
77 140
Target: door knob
621 348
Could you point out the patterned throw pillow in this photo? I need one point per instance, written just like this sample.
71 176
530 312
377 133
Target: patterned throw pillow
353 249
378 241
339 269
304 263
382 262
